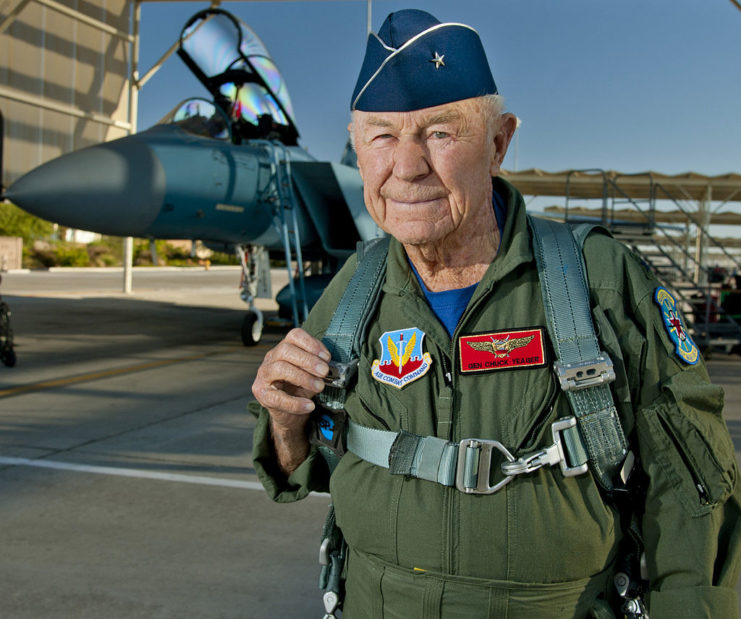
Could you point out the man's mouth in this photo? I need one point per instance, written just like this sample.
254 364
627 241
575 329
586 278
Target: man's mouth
414 200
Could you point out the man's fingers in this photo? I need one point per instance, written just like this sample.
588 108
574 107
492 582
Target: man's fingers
291 374
279 400
282 386
311 345
300 350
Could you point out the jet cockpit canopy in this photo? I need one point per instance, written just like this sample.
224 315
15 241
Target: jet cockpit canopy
232 62
199 117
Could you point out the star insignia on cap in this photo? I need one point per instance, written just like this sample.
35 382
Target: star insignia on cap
438 60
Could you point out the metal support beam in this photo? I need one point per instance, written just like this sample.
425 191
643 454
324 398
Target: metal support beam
139 83
10 17
85 19
133 113
128 257
703 222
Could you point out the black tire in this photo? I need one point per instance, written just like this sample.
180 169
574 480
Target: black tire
251 329
9 358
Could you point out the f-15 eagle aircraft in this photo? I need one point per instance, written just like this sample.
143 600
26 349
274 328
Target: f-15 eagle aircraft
228 172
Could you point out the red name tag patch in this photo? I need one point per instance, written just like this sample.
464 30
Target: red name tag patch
502 350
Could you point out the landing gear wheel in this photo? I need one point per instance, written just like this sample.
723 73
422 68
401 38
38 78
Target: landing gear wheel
251 329
8 357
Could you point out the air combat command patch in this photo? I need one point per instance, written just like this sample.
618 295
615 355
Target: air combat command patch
402 359
684 346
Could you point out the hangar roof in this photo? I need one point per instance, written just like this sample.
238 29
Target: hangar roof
594 184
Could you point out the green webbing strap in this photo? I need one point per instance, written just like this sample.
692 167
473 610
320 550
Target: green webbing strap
403 453
346 330
585 372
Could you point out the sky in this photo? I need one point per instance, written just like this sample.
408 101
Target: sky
629 85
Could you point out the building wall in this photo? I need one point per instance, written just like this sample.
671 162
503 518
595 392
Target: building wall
55 58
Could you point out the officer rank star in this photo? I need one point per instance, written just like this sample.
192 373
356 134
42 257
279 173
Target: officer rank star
438 60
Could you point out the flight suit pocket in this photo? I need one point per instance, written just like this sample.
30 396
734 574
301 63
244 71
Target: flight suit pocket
685 434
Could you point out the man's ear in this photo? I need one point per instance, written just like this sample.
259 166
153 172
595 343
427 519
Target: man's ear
503 137
350 129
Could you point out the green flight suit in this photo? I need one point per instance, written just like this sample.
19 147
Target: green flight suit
545 545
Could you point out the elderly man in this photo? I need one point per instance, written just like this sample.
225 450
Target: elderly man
459 346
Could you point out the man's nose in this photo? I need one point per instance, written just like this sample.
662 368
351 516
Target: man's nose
410 159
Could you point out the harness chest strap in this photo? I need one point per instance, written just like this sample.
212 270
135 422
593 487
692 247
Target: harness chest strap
466 465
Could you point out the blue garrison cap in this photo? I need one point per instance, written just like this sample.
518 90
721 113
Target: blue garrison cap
415 61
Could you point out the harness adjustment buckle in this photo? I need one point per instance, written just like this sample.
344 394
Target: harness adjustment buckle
532 462
324 552
557 428
555 454
340 374
474 466
583 374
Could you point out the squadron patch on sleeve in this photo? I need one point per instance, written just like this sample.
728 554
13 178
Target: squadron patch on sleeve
502 350
402 358
685 348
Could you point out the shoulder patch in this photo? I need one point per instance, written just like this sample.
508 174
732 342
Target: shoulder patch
402 358
501 350
674 324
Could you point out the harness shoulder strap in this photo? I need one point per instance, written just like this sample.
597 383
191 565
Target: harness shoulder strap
343 338
584 371
346 330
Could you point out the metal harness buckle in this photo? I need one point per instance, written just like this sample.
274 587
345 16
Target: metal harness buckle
474 466
583 374
555 454
339 374
336 383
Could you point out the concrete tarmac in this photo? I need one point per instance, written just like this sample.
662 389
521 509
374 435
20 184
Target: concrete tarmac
125 455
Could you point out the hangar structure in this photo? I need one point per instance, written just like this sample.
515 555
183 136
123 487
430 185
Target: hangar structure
65 78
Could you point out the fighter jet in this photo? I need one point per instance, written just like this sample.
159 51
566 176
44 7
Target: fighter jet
226 171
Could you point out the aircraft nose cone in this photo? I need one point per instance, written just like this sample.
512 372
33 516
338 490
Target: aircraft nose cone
114 188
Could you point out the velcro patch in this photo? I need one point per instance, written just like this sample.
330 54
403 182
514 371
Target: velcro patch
502 350
674 324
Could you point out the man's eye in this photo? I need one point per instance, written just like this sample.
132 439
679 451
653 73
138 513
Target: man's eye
439 135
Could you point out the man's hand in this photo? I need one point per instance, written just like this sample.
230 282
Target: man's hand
289 377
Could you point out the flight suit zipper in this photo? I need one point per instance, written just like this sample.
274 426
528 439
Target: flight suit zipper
446 430
702 492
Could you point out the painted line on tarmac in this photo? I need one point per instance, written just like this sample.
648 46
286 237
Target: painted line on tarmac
140 474
63 382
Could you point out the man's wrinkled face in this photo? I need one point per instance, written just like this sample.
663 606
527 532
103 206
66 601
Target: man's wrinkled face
426 173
